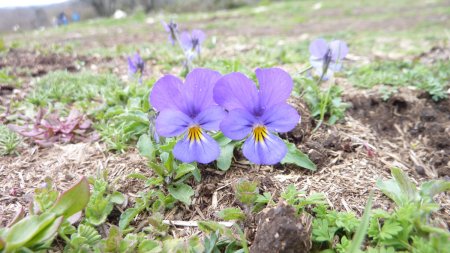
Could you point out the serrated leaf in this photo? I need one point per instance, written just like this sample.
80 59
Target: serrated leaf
433 187
297 157
73 200
225 157
407 187
181 192
231 213
390 229
146 148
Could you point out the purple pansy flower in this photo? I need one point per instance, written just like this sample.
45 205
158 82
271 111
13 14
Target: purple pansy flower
191 42
189 109
135 64
257 114
327 57
172 29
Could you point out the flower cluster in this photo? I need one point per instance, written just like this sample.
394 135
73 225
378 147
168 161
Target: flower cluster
208 101
190 42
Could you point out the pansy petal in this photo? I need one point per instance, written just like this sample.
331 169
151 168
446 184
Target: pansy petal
198 89
339 50
316 63
204 151
210 118
275 86
234 91
171 123
166 94
335 66
270 151
280 118
198 34
186 40
165 25
237 124
318 48
132 69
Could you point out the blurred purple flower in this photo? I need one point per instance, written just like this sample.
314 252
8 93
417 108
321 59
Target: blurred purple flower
189 109
136 64
327 57
191 42
172 29
257 114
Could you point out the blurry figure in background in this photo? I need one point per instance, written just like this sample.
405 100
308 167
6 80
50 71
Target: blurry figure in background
62 19
75 16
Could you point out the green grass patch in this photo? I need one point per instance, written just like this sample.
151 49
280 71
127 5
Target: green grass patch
81 88
432 79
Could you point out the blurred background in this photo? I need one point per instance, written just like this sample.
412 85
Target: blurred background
34 14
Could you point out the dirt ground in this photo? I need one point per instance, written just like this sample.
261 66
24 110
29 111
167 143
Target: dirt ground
409 131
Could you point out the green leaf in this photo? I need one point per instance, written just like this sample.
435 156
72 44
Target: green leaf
127 216
221 139
117 198
183 169
391 189
322 231
150 246
225 157
112 242
182 192
295 156
134 116
390 229
146 148
247 192
47 234
407 187
231 213
433 187
73 200
159 169
24 230
2 244
361 232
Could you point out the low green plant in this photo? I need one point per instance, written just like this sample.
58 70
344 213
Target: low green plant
9 141
324 103
169 172
412 217
36 232
102 200
124 116
84 88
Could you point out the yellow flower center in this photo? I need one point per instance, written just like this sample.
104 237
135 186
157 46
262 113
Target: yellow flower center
195 133
260 133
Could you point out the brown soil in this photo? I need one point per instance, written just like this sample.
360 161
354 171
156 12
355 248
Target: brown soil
281 230
411 119
32 63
